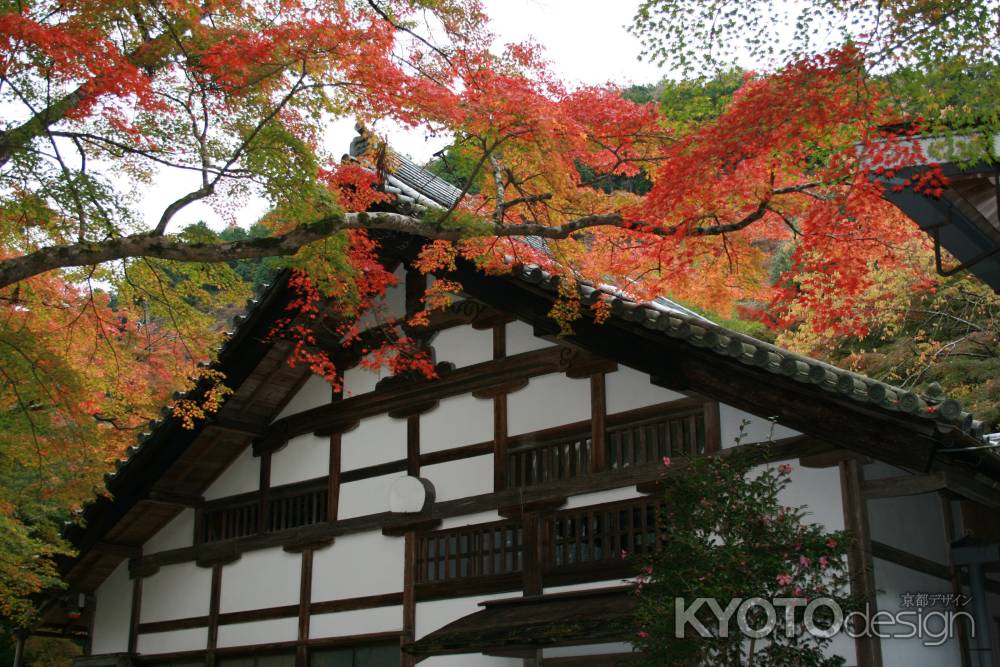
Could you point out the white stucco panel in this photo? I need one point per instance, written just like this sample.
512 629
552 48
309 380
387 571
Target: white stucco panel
469 520
456 421
192 639
892 581
357 622
177 534
314 392
258 632
360 380
628 389
819 490
176 591
758 428
598 497
304 457
242 476
458 479
376 440
261 579
366 496
464 345
547 401
114 610
521 338
357 565
910 523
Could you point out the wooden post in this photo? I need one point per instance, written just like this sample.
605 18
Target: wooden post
263 506
598 423
213 614
133 626
413 445
955 575
19 638
500 415
409 595
305 599
859 557
532 556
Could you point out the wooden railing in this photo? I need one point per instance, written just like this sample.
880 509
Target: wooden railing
229 522
649 440
573 539
286 507
564 458
472 551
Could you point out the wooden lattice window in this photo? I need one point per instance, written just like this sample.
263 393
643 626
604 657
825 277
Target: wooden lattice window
471 551
601 533
649 440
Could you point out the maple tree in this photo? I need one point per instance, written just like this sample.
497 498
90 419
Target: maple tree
105 313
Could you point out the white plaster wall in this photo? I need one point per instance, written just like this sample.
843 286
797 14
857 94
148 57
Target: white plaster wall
547 401
892 581
177 534
598 497
463 345
458 479
366 496
469 520
303 457
911 523
819 490
360 380
242 476
192 639
376 440
357 565
176 591
314 392
628 389
438 613
113 612
357 622
260 579
391 305
760 429
258 632
459 420
521 339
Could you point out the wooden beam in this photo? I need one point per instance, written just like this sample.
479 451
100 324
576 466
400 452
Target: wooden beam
409 595
904 485
167 497
215 596
954 481
413 446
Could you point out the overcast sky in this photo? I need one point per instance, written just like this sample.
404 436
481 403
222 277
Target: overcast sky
586 42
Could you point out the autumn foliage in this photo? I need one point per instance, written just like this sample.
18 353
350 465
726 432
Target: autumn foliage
107 309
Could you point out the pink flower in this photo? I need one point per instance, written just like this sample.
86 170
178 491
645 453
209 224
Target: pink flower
831 543
624 554
824 562
666 461
798 592
648 569
805 562
643 634
785 468
784 579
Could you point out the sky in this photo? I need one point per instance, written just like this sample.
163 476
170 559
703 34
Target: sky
586 42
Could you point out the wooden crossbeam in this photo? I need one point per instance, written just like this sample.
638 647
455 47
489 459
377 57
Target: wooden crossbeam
911 485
